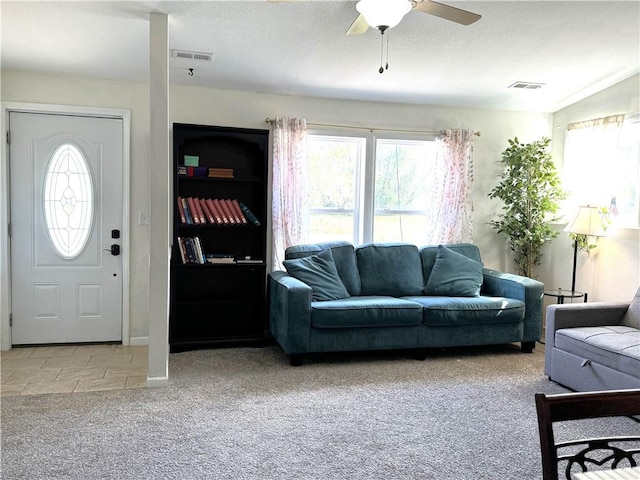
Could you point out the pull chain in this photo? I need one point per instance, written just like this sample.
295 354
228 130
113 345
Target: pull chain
386 66
381 70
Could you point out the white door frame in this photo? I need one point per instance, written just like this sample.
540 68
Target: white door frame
5 264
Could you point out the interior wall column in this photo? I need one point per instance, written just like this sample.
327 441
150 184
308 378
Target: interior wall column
158 373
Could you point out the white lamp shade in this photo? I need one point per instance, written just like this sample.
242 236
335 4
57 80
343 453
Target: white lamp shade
586 222
383 13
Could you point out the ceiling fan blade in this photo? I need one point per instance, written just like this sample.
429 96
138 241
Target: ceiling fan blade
448 12
358 27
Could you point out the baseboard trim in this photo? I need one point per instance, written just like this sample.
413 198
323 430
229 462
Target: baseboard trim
138 340
154 382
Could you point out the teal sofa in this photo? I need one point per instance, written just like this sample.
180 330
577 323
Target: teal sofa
336 297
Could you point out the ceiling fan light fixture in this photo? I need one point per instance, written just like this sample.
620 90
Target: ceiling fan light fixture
383 14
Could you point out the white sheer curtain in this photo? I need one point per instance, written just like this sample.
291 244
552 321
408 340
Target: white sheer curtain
590 171
452 195
290 186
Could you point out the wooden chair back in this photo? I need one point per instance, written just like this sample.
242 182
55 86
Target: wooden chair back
600 452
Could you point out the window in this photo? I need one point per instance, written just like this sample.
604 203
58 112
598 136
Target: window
369 188
68 201
602 167
401 200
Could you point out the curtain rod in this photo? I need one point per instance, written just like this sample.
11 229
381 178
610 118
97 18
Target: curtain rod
368 129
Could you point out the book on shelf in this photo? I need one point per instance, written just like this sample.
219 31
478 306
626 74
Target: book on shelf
193 211
249 214
207 213
214 211
254 261
221 172
238 211
227 213
199 211
220 258
183 218
187 212
191 250
221 213
232 211
202 211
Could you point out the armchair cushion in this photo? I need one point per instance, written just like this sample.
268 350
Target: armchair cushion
617 347
454 275
320 273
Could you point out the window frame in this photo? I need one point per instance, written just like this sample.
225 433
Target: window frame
364 208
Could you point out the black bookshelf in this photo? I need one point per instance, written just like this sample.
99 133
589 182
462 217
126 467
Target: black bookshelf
219 304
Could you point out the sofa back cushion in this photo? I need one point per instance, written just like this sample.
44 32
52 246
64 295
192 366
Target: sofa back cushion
320 273
454 275
632 317
429 254
392 269
344 258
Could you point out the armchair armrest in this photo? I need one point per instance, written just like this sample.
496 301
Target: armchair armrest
570 315
289 312
525 289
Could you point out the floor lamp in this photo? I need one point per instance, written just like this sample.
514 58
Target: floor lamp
586 222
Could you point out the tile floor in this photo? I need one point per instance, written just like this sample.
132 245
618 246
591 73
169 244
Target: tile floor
72 368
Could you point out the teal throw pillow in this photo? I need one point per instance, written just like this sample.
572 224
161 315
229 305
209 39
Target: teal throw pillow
454 275
320 273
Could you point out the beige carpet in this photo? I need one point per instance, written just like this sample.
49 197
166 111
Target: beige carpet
246 414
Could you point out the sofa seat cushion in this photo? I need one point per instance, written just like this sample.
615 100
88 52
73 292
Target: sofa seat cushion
440 311
366 311
617 346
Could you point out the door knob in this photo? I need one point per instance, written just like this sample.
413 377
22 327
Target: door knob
115 249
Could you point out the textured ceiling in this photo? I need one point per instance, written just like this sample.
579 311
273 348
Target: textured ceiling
299 48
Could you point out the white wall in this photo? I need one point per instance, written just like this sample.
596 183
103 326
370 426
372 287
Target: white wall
612 271
241 109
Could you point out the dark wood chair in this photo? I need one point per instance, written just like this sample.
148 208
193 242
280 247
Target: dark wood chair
579 455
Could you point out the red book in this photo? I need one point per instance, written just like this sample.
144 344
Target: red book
196 202
183 219
214 211
227 212
194 212
233 212
207 212
223 214
238 210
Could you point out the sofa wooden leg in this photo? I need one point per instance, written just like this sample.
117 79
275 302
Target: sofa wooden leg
295 360
527 347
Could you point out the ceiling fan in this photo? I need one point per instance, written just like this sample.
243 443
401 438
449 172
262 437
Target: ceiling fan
385 14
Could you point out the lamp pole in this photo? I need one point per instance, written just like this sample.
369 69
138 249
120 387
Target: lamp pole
575 257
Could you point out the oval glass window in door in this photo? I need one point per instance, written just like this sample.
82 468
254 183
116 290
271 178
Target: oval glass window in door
68 201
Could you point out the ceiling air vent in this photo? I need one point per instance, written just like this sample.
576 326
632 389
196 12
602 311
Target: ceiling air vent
207 57
527 85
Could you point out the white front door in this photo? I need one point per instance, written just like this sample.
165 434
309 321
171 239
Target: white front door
66 214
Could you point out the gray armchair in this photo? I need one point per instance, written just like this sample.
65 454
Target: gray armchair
594 346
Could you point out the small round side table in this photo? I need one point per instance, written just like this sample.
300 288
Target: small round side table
561 294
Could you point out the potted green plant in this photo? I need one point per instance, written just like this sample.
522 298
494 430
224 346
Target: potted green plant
531 193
